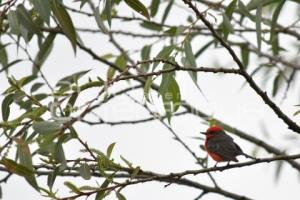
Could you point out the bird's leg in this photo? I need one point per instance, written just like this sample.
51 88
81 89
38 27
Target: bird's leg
216 164
228 163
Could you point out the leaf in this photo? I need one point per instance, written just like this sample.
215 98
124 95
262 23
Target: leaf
151 26
72 187
278 169
202 49
145 55
167 11
46 127
85 171
154 7
3 55
43 53
258 26
276 84
273 35
25 19
43 8
21 170
99 21
35 87
120 196
164 53
65 22
191 59
13 21
51 178
73 78
227 18
7 101
245 55
110 149
24 154
108 11
147 87
138 7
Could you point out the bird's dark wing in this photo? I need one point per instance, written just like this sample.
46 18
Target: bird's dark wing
224 146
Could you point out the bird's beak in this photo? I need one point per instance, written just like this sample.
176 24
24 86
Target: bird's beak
204 133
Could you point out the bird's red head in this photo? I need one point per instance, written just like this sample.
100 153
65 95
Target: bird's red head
213 130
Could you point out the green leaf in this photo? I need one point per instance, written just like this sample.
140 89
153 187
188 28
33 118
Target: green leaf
273 35
202 49
51 178
108 11
25 20
151 26
147 88
258 26
110 149
245 54
7 101
21 170
65 22
43 8
138 7
13 22
85 171
120 196
278 169
167 11
46 127
35 87
154 7
73 78
24 154
43 53
226 26
72 187
164 53
121 61
276 84
99 21
145 55
3 55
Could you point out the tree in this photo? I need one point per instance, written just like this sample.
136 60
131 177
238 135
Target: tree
146 50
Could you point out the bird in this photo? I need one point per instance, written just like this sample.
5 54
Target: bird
221 147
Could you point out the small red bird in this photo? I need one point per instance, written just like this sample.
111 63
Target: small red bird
221 146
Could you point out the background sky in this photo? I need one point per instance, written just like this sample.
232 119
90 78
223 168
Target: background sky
150 145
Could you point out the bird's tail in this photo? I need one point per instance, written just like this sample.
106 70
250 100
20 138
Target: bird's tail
248 156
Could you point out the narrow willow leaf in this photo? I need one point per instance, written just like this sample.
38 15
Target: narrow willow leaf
72 187
65 22
3 55
147 87
5 107
25 19
276 84
164 53
24 154
138 7
145 55
73 78
46 127
151 26
110 149
43 8
154 7
35 87
13 22
167 11
245 54
108 11
274 40
99 21
85 171
258 26
120 196
226 26
43 53
51 178
202 49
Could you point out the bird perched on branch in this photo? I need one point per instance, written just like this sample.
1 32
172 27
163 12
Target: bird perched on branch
221 146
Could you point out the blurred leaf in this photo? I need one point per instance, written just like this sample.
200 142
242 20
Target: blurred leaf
278 169
35 87
147 87
120 196
99 21
245 55
138 7
24 154
273 35
65 22
258 26
164 53
25 19
21 170
276 84
73 78
191 60
3 55
154 7
151 25
7 101
167 11
46 127
145 55
72 187
13 21
135 172
85 171
108 5
43 8
202 49
110 149
51 178
43 53
227 28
